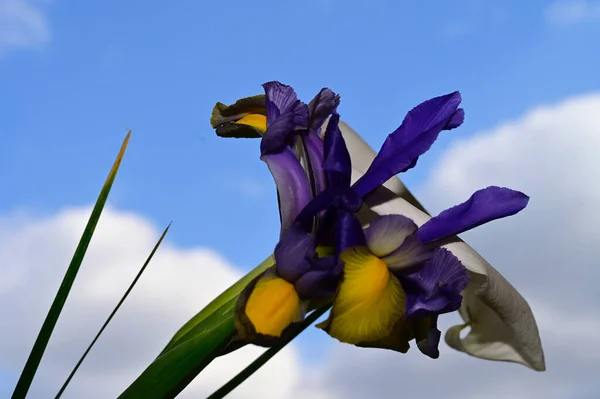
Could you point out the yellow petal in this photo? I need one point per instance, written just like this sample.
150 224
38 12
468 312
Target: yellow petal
369 302
272 305
257 121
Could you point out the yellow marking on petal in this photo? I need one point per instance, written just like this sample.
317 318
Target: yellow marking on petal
272 306
370 299
257 121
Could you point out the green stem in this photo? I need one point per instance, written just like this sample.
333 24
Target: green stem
266 356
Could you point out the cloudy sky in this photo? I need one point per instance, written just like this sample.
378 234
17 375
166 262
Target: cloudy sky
74 76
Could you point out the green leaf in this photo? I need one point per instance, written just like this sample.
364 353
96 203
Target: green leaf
267 355
232 292
135 280
171 372
43 337
194 346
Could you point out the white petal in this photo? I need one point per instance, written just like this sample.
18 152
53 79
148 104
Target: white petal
501 322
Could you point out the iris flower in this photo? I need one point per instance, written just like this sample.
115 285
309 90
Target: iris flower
389 282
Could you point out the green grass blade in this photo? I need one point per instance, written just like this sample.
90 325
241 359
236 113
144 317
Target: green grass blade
186 331
265 357
171 372
135 280
33 361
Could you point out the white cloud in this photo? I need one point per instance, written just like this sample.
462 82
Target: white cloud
573 11
22 24
33 257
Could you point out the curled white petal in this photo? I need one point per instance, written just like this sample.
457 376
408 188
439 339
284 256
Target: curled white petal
502 325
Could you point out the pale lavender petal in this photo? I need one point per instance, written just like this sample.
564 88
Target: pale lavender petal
387 233
292 185
411 255
484 206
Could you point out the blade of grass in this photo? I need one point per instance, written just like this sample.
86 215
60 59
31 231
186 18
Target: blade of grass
135 280
266 356
41 342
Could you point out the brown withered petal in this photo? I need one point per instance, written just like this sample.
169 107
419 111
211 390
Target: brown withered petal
223 117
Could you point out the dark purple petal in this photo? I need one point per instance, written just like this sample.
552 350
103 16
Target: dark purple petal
337 164
435 114
315 151
387 233
484 206
324 104
292 185
349 232
292 254
280 98
281 128
285 114
457 119
427 335
437 287
418 132
317 284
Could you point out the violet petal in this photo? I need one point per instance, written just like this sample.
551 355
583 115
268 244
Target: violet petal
337 163
317 284
437 287
292 185
418 132
292 254
324 104
484 206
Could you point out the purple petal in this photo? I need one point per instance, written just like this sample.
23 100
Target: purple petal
484 206
292 185
436 288
280 98
411 255
457 119
315 150
418 132
324 104
285 113
436 113
292 254
317 284
282 127
387 233
427 335
349 232
337 164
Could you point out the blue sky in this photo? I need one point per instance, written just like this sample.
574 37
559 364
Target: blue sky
69 93
158 68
